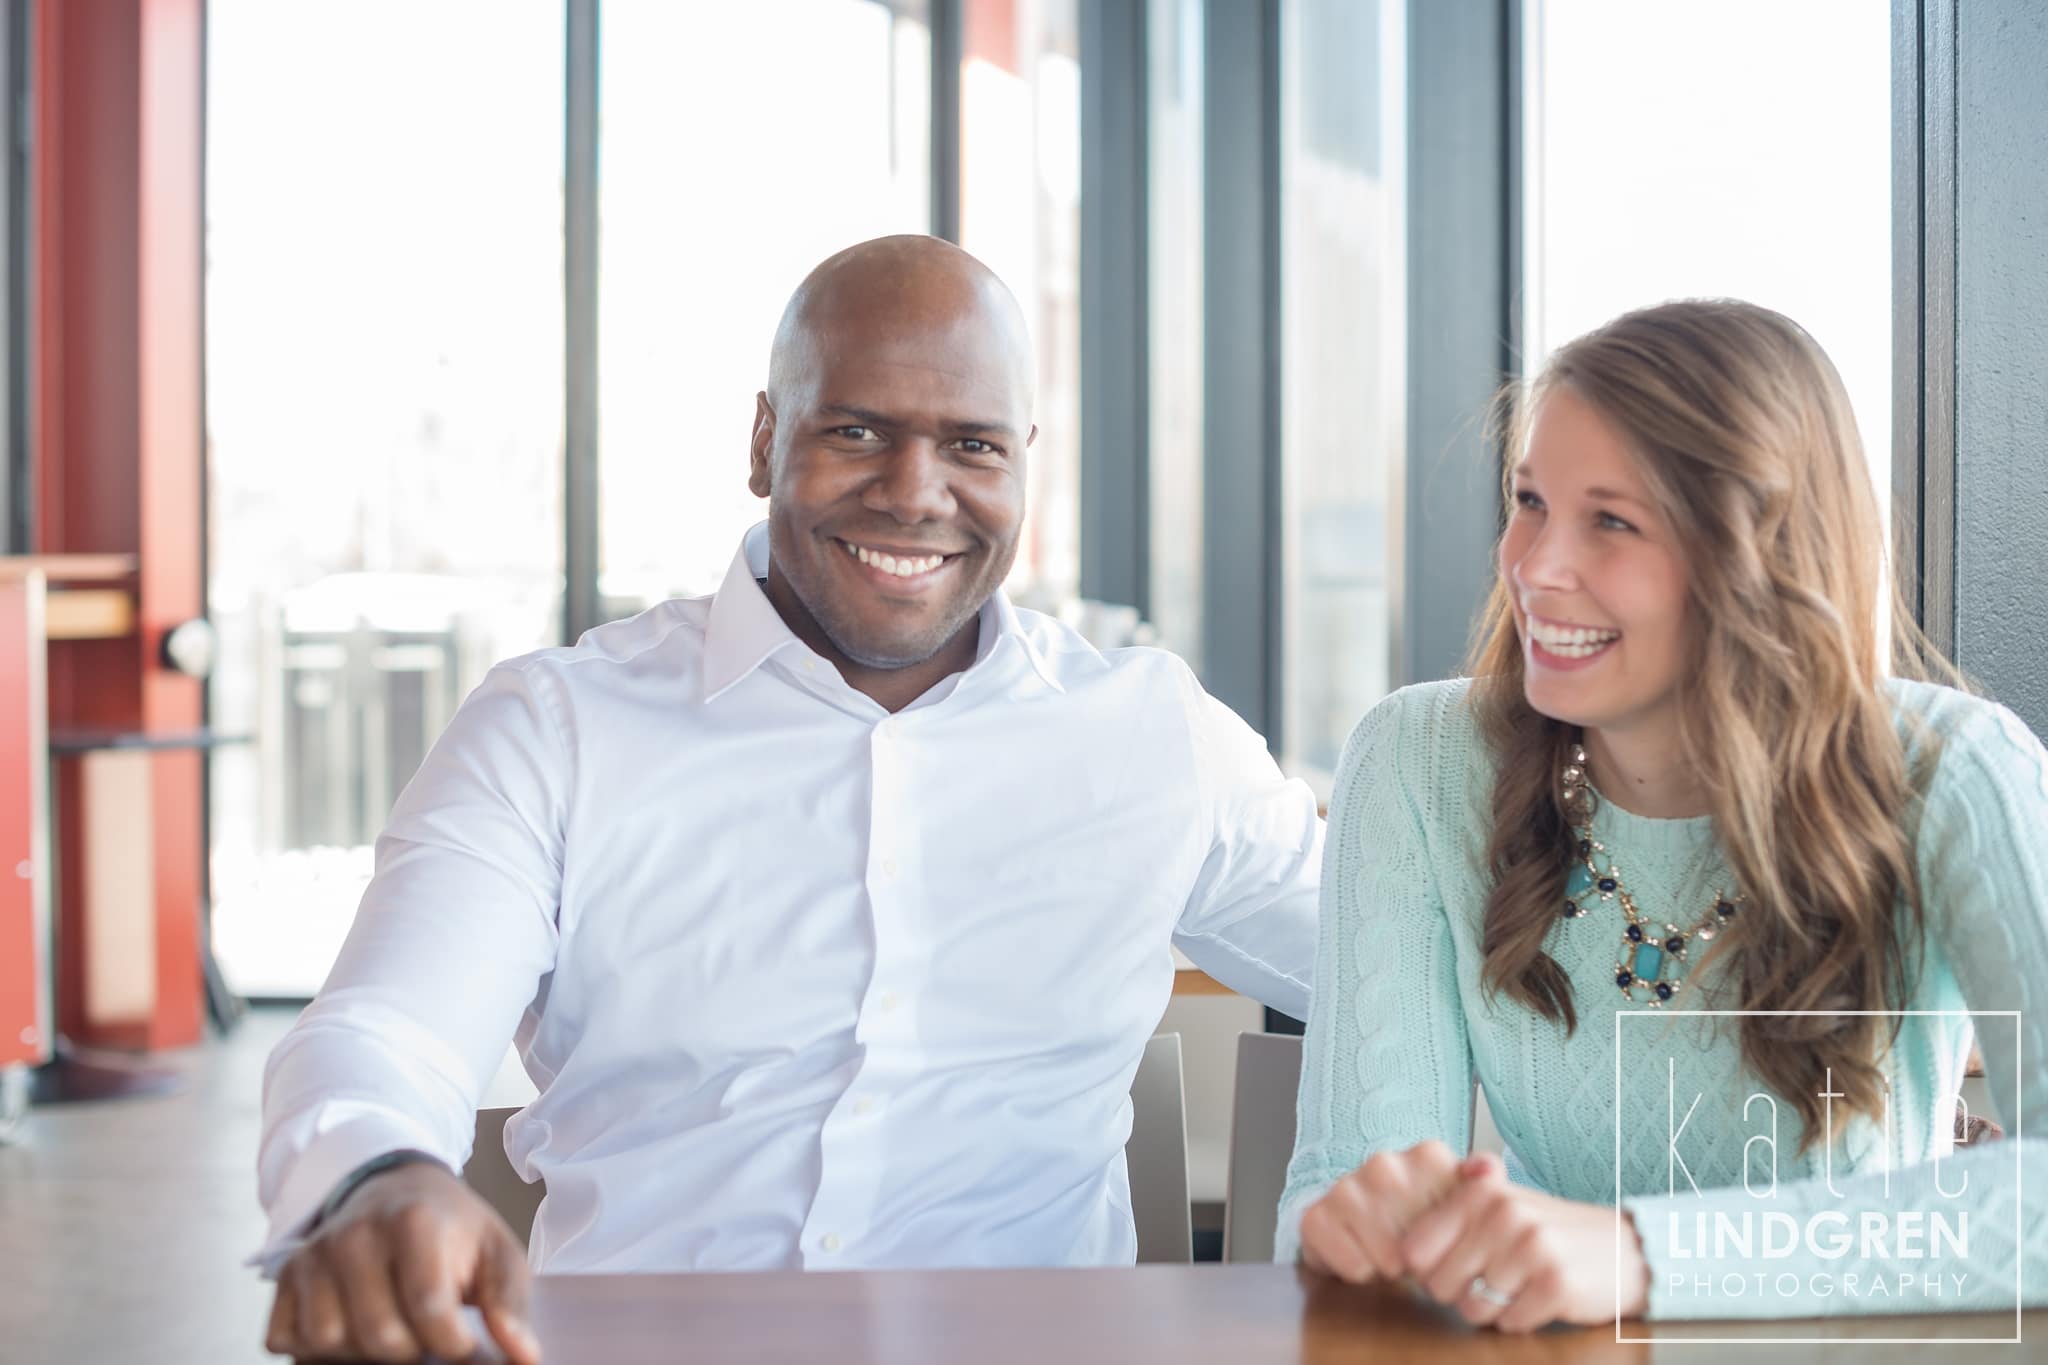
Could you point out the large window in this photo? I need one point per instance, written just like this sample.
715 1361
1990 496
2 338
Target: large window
384 414
1738 149
1342 408
1020 212
741 145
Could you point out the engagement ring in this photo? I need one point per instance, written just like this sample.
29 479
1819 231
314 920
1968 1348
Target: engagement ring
1486 1293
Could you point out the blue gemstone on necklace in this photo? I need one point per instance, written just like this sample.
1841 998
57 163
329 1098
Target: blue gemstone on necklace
1571 909
1608 884
1725 909
1585 848
1649 961
1674 944
1635 933
1663 990
1579 882
1623 979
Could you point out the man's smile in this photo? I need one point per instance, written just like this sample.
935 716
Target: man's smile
898 567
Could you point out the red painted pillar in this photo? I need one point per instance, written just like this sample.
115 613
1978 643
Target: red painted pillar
24 872
118 96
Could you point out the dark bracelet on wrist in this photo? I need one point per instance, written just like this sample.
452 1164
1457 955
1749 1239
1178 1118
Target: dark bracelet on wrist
376 1165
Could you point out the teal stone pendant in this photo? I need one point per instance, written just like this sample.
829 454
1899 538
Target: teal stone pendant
1651 963
1584 883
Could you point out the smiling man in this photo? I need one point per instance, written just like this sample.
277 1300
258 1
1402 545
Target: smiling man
890 444
830 913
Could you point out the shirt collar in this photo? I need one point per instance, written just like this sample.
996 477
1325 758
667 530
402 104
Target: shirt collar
999 622
745 630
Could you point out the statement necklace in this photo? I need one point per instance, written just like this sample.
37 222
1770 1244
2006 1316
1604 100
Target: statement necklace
1652 958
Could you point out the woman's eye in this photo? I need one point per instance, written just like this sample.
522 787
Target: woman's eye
1524 498
1610 522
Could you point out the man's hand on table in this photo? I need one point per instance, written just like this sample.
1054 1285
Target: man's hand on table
1514 1258
385 1276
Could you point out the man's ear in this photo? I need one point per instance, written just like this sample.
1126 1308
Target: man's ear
761 447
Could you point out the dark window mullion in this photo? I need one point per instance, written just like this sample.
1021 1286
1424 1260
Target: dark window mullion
581 604
1115 310
1240 363
949 25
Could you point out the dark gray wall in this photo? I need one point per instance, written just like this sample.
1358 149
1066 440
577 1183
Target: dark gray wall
2001 351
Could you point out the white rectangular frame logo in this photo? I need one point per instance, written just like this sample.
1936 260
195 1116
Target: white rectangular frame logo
2019 1281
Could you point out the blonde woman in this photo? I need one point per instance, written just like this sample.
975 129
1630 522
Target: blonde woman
1681 780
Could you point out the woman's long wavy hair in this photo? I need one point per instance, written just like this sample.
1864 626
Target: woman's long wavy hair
1743 432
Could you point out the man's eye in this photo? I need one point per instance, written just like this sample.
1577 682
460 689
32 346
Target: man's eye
976 447
855 433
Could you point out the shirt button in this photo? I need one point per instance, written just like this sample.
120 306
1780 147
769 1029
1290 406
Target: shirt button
864 1105
830 1241
888 867
888 1002
810 665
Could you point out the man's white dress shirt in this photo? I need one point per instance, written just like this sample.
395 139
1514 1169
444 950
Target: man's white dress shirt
801 983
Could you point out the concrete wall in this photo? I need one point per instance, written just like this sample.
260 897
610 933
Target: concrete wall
2001 348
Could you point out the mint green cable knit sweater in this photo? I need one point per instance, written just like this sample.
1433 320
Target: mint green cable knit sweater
1401 1028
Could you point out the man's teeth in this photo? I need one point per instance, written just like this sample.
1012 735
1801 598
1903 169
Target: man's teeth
1572 642
906 567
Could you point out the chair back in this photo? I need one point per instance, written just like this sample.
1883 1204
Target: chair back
1261 1142
490 1174
1156 1154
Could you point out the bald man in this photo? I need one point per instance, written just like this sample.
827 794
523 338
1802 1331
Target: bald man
829 914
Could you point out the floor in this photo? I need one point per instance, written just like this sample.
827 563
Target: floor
124 1223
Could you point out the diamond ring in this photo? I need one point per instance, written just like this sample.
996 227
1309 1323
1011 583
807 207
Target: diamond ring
1486 1293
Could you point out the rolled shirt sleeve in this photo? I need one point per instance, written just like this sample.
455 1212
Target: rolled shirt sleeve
1251 919
454 935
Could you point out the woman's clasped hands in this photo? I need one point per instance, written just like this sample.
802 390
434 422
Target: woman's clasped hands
1501 1254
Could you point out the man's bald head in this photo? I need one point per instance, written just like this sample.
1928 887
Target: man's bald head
889 290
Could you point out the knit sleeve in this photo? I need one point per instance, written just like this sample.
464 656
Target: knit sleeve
1386 1062
1982 856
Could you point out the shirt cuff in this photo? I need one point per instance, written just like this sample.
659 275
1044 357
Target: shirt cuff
320 1169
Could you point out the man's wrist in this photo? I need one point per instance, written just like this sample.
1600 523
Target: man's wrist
376 1165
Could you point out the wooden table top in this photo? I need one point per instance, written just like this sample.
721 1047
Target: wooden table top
1240 1314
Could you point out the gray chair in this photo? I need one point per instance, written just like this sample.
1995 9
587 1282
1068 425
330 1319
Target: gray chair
1262 1116
490 1174
1261 1141
1156 1154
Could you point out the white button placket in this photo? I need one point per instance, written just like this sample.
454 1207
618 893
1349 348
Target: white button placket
852 1142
